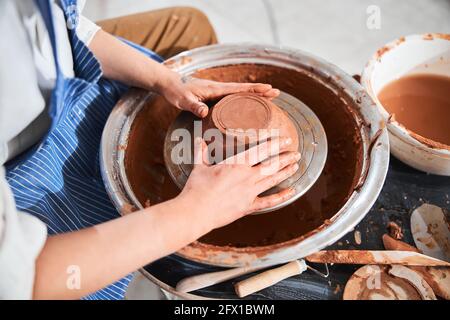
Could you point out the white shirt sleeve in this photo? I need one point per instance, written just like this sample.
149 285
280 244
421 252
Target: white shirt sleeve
22 238
86 30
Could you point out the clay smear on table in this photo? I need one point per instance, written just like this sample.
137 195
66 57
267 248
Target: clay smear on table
421 103
150 181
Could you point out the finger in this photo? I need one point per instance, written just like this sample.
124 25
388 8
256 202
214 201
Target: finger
270 201
205 153
272 93
275 179
200 152
273 165
253 87
260 152
264 90
218 89
198 108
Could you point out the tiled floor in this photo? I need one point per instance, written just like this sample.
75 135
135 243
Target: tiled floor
335 30
332 29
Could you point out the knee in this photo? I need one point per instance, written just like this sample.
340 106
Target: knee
193 13
199 18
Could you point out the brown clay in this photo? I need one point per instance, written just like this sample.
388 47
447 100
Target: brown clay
421 103
249 118
149 179
395 231
144 160
391 243
437 277
374 283
406 258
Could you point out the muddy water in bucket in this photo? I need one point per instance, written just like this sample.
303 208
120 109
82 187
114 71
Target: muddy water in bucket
151 183
421 103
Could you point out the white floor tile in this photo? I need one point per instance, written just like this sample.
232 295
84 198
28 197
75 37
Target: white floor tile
337 31
332 29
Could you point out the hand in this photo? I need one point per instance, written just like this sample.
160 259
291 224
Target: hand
190 95
227 191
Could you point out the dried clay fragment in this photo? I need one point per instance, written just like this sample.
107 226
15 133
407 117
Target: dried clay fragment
415 279
395 231
437 277
431 232
373 282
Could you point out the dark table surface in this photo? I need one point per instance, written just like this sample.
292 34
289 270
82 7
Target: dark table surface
404 190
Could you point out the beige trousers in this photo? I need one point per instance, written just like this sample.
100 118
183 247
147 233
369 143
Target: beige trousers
166 31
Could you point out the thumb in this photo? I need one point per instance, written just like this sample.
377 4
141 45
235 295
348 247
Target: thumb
198 108
200 151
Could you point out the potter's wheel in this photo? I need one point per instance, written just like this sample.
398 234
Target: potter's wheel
312 145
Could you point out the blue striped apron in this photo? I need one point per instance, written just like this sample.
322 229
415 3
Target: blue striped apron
59 179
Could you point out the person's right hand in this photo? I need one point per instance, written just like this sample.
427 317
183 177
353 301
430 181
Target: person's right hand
229 190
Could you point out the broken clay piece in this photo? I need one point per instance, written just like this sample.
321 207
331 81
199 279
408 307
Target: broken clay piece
431 232
414 277
373 282
357 236
391 243
395 231
437 277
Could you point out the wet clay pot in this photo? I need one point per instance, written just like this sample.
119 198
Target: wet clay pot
135 175
246 119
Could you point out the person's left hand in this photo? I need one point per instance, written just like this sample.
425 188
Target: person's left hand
190 94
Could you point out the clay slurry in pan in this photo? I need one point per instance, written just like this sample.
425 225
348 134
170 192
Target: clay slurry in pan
242 120
149 179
